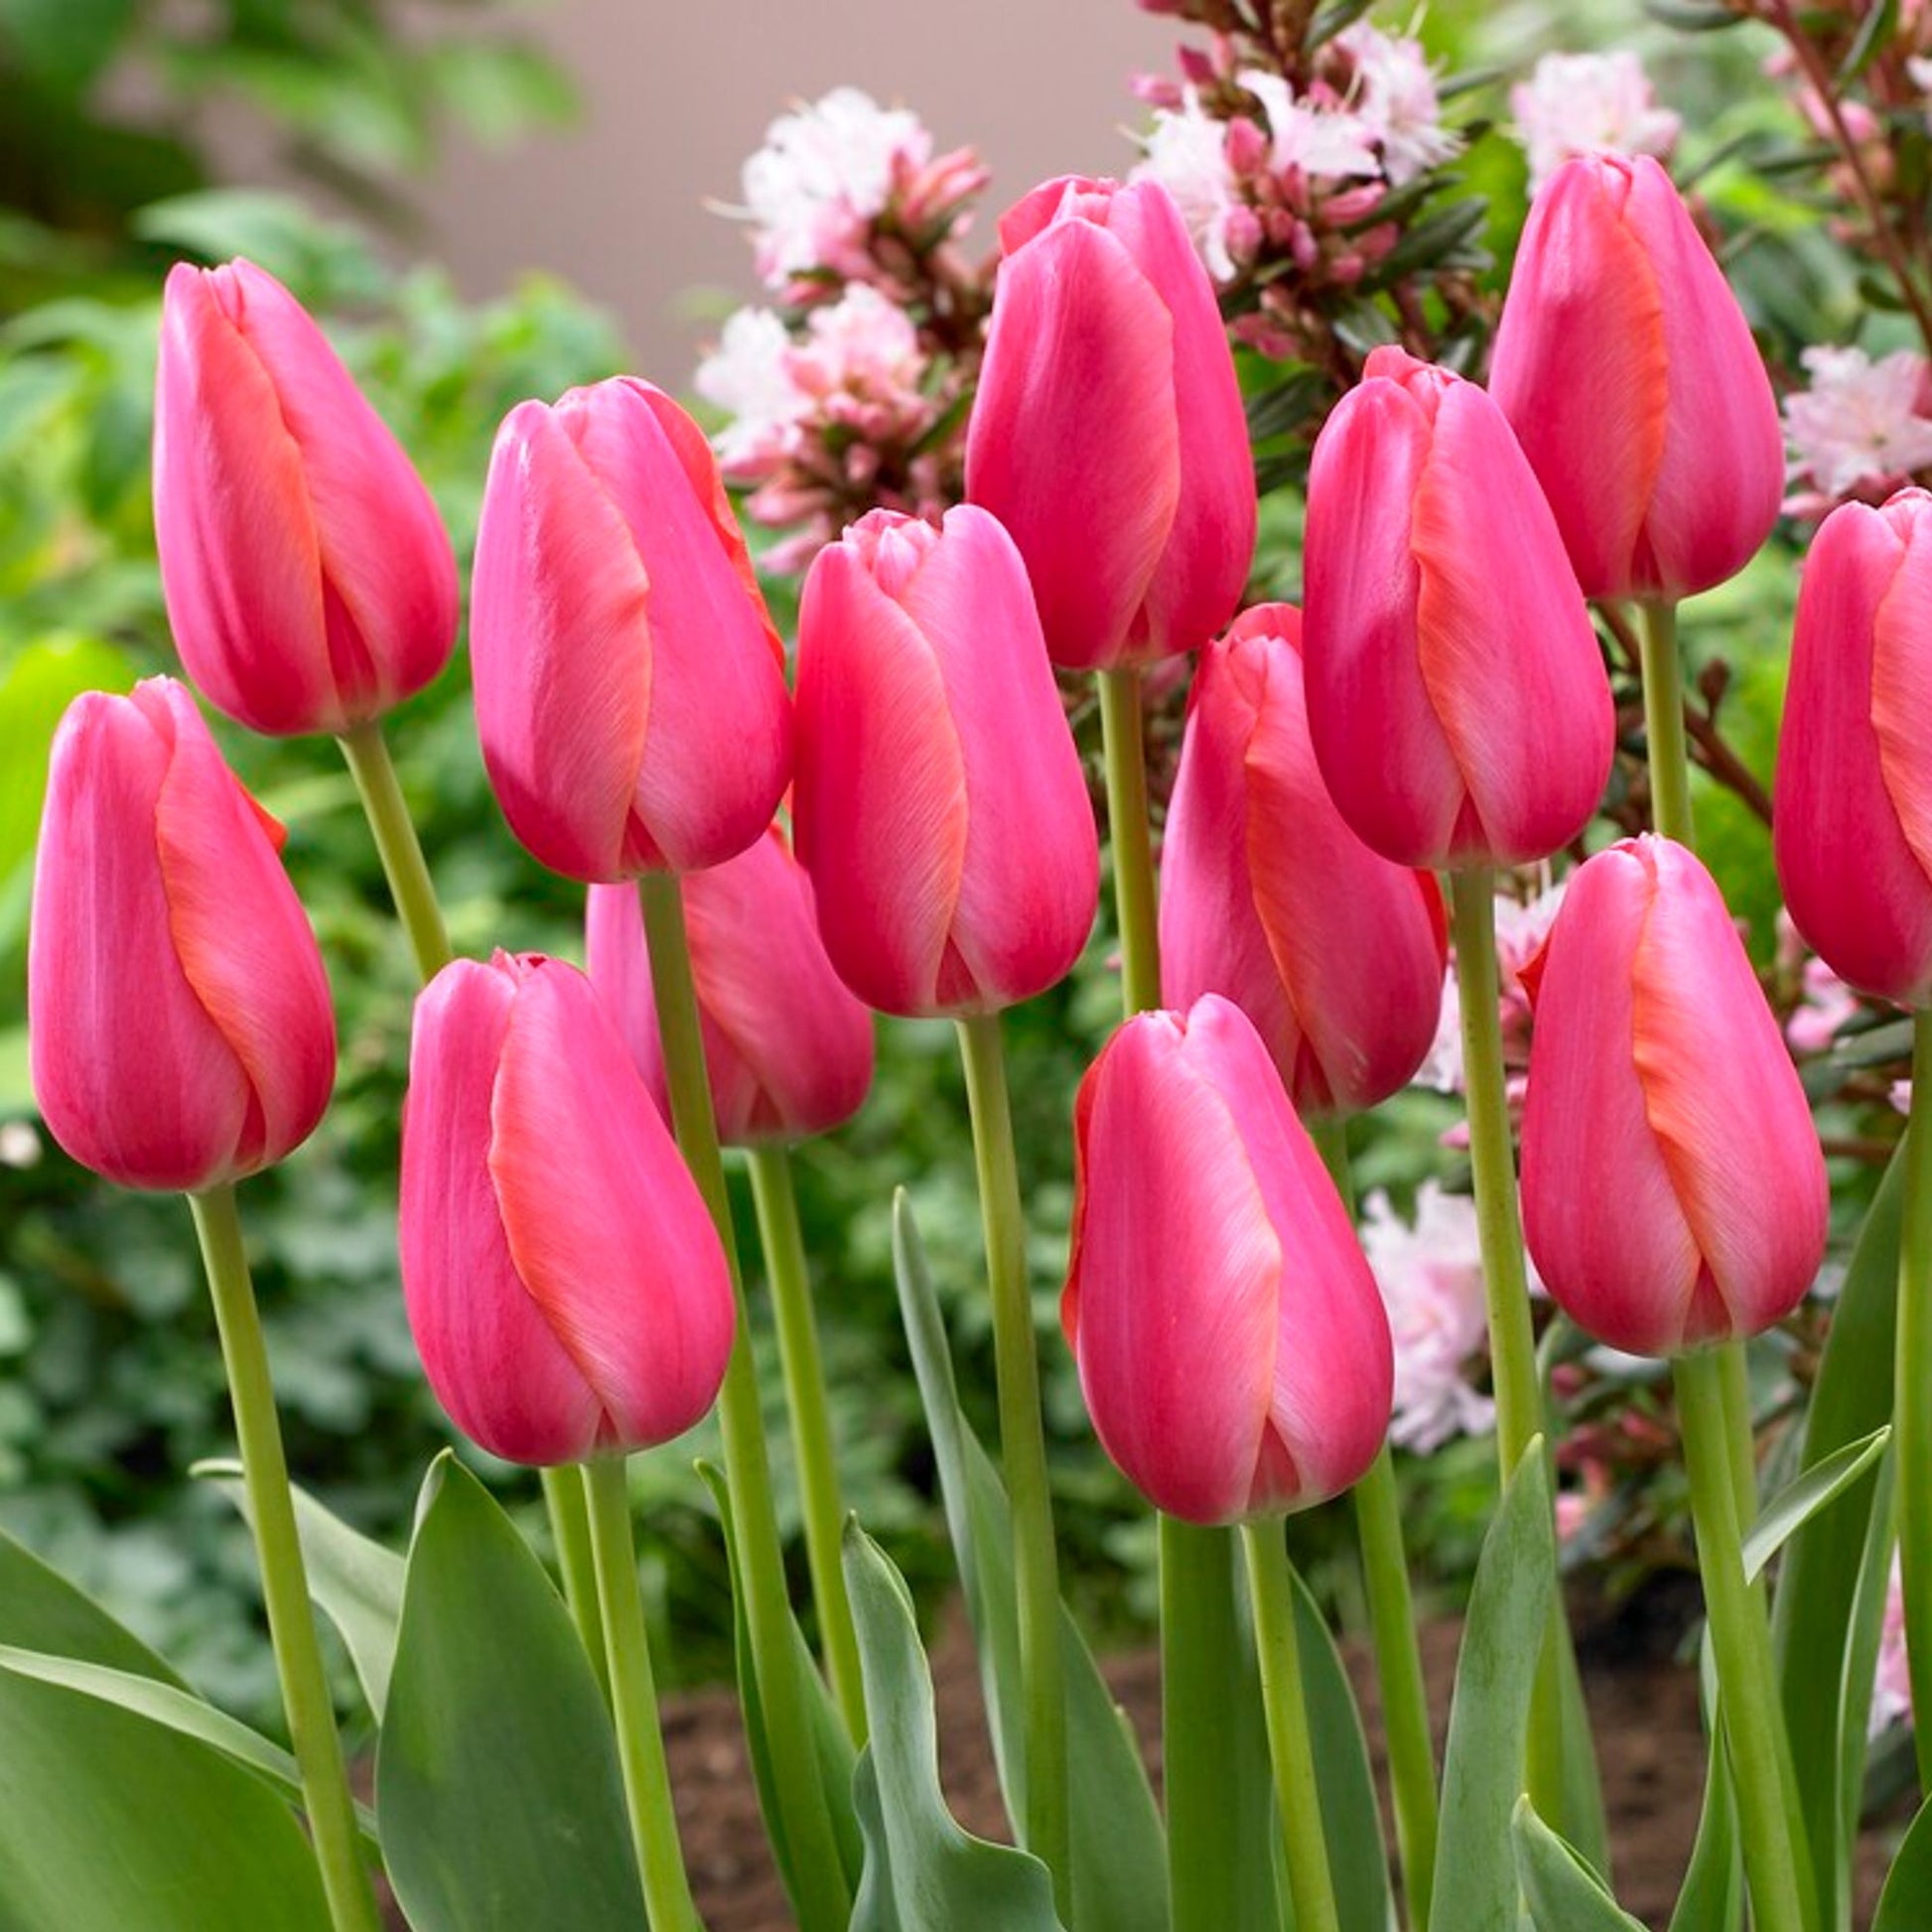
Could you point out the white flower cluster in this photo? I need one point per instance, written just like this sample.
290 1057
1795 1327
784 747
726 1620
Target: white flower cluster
1859 425
1584 103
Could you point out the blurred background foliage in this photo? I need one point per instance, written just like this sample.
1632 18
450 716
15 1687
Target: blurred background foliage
110 1383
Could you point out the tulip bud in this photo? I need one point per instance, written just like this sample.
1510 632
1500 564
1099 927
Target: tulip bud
1267 896
1629 373
1107 433
630 690
1853 833
1231 1340
179 1022
787 1048
309 580
1673 1188
940 810
1457 694
564 1282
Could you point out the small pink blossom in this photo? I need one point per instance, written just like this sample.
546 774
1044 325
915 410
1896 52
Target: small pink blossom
1584 103
1308 135
1186 153
1395 99
1891 1683
1862 428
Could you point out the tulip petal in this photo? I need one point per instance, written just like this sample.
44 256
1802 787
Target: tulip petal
619 963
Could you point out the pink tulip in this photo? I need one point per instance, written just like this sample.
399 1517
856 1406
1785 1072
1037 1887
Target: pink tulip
1854 828
309 579
1673 1188
940 810
630 690
1457 694
1230 1337
788 1050
1268 897
565 1285
1108 433
178 1020
1629 373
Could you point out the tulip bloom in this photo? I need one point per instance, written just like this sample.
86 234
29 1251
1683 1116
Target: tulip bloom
1231 1341
940 810
1457 696
630 690
1673 1188
309 580
177 1013
787 1048
1107 433
1267 896
1629 373
564 1282
1854 828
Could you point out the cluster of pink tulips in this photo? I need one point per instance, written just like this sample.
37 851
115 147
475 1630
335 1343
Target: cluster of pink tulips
893 816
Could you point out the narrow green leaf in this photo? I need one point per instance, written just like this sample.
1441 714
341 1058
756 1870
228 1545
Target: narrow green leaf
922 1873
1693 16
1877 26
1905 1904
497 1788
1489 1713
1561 1890
1860 1669
1792 1507
1711 1897
355 1583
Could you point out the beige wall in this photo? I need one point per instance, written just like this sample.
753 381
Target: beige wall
674 98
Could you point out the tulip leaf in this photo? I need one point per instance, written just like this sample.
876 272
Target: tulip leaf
497 1788
355 1583
1820 1612
922 1872
197 1843
1905 1904
1120 1876
1794 1506
833 1747
1489 1713
1711 1897
1563 1894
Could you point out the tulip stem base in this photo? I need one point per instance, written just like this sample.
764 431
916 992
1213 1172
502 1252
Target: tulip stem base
285 1585
783 1241
822 1900
1912 1397
1740 1639
1123 741
633 1699
569 1531
1667 752
396 845
1023 1448
1298 1797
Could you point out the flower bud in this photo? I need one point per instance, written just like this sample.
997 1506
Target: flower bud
1267 896
1230 1337
1853 834
564 1282
1673 1187
1629 376
309 580
1457 694
1107 432
179 1022
787 1048
940 809
630 690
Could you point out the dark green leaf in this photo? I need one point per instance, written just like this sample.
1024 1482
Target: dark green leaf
1875 30
1821 1483
1693 16
1905 1904
1433 242
1561 1890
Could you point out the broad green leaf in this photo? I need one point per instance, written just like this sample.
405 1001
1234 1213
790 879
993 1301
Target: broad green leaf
922 1873
1120 1878
1563 1894
355 1583
1817 1592
496 1786
1821 1483
198 1844
1489 1713
1905 1904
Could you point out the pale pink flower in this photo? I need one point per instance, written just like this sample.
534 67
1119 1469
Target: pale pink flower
1900 1096
1186 153
1891 1683
749 374
1394 97
1521 928
1308 136
1584 103
1827 1002
1861 427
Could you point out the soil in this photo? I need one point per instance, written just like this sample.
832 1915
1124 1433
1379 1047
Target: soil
1643 1702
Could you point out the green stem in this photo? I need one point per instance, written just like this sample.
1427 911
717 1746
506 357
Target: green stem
1022 1448
1740 1639
1667 752
812 1426
1271 1582
1127 832
823 1901
633 1694
397 846
1912 1393
569 1529
285 1585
